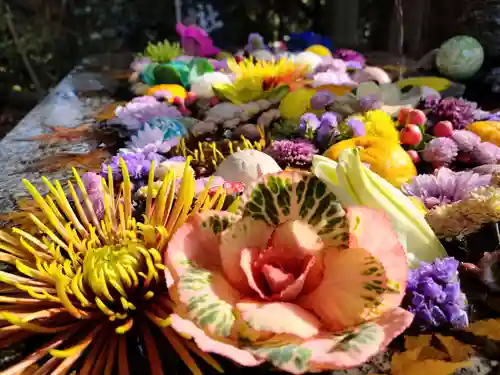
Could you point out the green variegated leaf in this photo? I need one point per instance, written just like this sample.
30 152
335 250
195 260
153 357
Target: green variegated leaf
288 196
290 357
209 300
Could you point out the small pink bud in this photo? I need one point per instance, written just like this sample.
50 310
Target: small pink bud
214 101
410 135
415 157
403 115
416 116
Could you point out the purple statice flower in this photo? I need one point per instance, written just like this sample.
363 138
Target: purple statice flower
138 164
321 99
441 152
445 186
351 57
292 153
486 153
369 103
327 129
459 112
308 125
142 109
356 126
93 185
466 140
433 294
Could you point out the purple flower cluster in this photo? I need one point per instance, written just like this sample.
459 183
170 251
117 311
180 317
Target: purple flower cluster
445 186
142 109
93 185
462 145
138 164
434 295
319 129
459 112
292 153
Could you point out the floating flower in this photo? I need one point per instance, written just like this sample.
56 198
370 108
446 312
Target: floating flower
162 52
138 164
459 112
144 108
445 186
293 279
441 152
96 287
435 297
159 135
292 153
467 216
466 140
486 153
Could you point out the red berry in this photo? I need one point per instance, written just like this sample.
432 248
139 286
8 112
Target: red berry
403 115
443 129
214 101
416 116
410 135
415 157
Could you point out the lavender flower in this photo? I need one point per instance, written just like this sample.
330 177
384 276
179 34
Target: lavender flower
321 99
440 152
144 108
369 103
152 138
445 186
357 127
296 153
138 164
308 125
93 185
255 42
327 129
466 140
486 153
433 294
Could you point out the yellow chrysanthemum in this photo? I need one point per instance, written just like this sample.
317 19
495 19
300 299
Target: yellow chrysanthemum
256 79
174 90
379 124
96 289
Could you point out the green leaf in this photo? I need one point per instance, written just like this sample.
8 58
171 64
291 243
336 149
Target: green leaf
287 357
166 74
277 93
198 67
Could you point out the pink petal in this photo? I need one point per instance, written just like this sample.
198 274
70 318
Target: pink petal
356 349
276 278
245 234
279 318
196 242
372 230
209 345
360 284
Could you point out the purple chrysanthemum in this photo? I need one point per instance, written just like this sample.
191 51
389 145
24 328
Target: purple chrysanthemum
486 153
144 108
445 186
459 112
441 152
138 164
428 103
295 153
433 294
465 140
93 185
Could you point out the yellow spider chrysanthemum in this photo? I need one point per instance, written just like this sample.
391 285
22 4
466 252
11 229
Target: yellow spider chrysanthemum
97 289
255 80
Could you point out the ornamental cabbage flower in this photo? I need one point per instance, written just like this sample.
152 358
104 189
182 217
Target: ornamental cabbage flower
292 278
354 184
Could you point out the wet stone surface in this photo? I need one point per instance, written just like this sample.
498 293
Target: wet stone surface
74 101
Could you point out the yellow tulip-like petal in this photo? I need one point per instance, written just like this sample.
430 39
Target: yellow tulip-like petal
296 103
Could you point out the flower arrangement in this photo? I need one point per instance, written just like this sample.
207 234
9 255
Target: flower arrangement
273 210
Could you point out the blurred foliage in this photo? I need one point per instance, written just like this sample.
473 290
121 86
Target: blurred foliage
57 34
